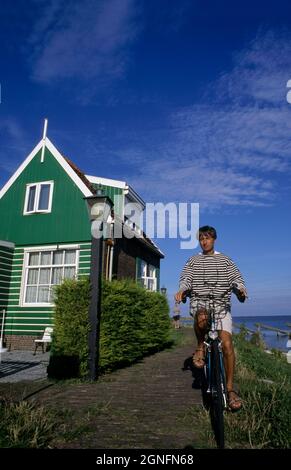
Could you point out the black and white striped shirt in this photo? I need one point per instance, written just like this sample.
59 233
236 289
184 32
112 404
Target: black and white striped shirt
210 274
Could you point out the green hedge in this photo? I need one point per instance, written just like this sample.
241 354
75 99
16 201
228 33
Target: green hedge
69 350
134 322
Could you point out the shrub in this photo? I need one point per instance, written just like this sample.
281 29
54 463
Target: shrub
69 351
134 322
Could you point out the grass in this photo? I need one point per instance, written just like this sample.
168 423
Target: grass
264 383
24 424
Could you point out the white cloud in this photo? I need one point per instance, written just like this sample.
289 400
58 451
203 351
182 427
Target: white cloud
234 150
84 40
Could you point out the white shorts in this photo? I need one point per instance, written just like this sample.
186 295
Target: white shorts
225 323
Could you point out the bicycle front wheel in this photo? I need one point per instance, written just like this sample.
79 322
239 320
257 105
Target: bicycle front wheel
217 400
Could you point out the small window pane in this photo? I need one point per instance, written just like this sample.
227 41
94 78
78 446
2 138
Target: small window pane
151 284
30 294
52 294
57 275
69 273
32 277
143 269
43 294
31 199
58 257
152 271
45 258
44 276
33 259
70 257
44 196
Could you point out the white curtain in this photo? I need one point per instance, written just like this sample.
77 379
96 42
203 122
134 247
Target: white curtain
32 277
58 257
43 294
44 276
30 296
45 258
70 256
57 275
34 259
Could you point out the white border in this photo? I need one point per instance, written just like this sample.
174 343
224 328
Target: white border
36 199
107 181
25 272
61 160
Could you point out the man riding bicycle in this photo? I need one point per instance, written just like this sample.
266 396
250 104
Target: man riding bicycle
213 272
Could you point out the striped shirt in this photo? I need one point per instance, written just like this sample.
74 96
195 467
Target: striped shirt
210 274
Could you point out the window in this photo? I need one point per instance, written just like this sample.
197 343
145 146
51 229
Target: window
43 271
148 276
38 197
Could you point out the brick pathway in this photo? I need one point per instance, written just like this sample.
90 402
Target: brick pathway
145 406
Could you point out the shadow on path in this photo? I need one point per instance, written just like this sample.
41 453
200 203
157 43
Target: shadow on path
13 367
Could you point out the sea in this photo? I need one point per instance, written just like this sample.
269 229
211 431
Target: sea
271 338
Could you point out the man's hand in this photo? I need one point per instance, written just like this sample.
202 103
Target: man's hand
241 293
181 296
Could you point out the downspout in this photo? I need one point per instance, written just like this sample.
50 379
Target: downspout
111 254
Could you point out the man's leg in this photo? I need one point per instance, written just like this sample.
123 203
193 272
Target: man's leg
229 364
200 328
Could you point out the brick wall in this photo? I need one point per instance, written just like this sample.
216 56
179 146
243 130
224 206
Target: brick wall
21 342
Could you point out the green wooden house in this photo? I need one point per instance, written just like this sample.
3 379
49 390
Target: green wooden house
45 236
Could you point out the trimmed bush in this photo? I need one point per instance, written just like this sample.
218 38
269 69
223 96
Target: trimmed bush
69 351
134 322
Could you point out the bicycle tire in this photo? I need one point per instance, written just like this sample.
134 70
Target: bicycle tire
217 400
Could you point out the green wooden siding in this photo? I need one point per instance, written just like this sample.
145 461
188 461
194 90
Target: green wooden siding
6 257
32 320
68 205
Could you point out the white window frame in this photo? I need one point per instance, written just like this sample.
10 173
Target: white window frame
36 199
26 268
147 279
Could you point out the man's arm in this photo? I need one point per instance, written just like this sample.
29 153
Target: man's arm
185 282
236 281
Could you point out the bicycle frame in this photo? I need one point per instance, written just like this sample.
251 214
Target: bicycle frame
214 371
212 336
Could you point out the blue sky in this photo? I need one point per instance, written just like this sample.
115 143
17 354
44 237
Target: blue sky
185 100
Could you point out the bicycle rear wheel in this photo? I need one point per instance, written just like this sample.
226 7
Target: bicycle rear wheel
217 400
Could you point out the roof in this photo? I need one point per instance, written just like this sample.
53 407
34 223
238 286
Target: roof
74 173
81 175
84 182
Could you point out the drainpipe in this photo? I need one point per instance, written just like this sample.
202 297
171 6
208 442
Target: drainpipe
111 254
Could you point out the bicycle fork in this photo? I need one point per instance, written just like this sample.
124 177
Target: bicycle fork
208 372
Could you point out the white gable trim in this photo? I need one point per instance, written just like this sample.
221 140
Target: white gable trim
107 182
68 169
20 169
60 159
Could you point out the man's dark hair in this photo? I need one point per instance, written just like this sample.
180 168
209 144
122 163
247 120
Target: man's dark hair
208 230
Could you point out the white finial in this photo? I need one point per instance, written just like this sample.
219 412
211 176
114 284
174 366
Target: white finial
43 140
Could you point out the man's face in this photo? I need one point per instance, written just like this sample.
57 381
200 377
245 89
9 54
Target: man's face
206 242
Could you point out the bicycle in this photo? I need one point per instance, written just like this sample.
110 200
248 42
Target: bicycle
214 384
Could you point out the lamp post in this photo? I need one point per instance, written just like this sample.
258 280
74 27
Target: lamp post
163 290
99 208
